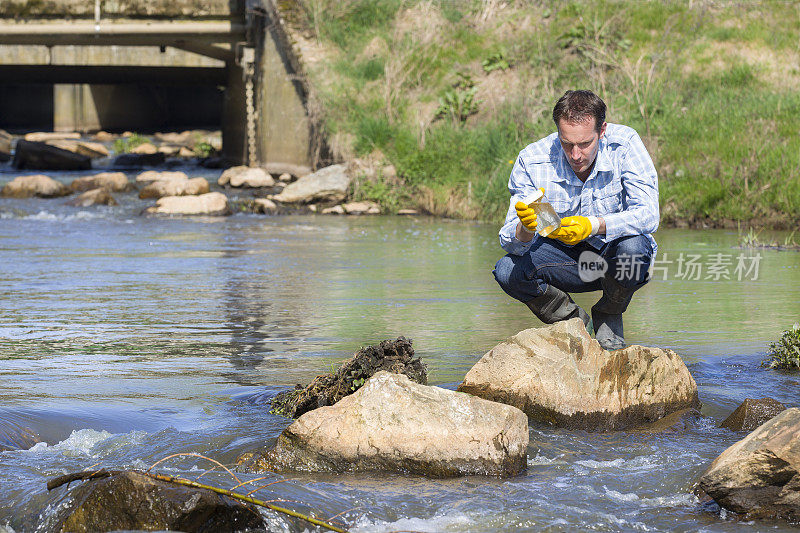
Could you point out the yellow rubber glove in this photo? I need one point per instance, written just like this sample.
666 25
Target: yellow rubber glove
573 230
527 216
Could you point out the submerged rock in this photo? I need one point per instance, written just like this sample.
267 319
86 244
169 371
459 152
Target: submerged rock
212 203
759 476
752 413
38 155
113 181
133 501
149 176
561 376
394 424
325 185
36 185
99 196
140 160
392 356
174 187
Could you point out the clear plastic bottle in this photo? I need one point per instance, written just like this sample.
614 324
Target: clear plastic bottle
547 220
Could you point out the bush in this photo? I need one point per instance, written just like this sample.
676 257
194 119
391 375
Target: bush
126 144
786 352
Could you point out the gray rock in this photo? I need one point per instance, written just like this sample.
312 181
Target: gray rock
752 413
325 185
759 476
213 203
362 208
264 205
559 375
36 185
113 181
99 196
133 501
335 210
174 187
287 168
38 155
149 176
394 424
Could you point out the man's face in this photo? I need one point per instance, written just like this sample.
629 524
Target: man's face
580 142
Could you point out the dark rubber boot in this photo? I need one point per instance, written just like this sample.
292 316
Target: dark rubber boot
556 305
607 314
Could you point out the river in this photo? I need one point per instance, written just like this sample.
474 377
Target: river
124 339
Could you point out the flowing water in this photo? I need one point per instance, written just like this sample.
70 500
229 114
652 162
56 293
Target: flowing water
124 339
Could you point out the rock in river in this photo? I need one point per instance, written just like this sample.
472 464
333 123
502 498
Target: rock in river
42 156
559 375
213 203
188 187
149 176
394 424
325 185
99 196
36 185
113 181
133 501
140 160
752 413
246 177
759 476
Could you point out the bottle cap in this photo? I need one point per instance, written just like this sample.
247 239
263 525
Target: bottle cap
535 196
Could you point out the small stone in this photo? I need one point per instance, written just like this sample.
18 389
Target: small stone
155 175
103 136
174 187
145 148
285 177
212 204
242 176
264 205
407 212
185 152
752 413
114 181
335 210
36 185
361 208
169 150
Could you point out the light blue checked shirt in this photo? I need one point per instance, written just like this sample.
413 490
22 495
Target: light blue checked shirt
622 188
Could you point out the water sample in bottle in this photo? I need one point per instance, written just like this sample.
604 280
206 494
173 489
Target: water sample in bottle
547 220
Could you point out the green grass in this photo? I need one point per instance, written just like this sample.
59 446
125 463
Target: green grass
785 353
718 115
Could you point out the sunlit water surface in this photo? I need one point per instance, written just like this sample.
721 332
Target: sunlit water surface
124 339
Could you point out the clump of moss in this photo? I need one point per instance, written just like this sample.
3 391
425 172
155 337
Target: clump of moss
786 352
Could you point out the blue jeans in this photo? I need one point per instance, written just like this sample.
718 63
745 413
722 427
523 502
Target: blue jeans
550 262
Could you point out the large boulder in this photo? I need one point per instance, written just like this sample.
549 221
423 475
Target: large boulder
325 185
38 155
36 185
213 203
392 356
246 177
752 413
559 375
394 424
99 196
113 181
188 187
759 476
133 501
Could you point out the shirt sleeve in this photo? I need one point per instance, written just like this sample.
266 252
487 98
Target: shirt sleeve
640 214
519 185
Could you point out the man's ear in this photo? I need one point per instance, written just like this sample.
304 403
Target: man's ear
602 130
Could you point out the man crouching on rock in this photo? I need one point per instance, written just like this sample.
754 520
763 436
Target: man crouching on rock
600 179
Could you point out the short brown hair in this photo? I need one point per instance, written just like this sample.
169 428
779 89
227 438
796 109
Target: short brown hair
575 106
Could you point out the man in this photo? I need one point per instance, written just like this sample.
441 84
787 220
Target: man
601 180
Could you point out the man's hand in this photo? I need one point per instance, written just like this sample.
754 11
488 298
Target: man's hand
575 229
527 216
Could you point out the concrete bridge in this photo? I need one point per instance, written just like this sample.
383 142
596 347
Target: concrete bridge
146 65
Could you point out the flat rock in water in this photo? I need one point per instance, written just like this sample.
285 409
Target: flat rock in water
393 424
189 187
36 185
559 375
133 501
38 155
43 136
6 140
113 181
752 413
759 476
393 356
212 203
99 196
325 185
149 176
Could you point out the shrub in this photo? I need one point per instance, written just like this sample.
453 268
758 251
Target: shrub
786 352
126 144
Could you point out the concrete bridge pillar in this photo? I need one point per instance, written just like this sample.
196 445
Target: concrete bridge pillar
234 116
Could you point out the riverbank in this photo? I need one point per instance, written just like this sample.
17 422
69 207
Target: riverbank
448 93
